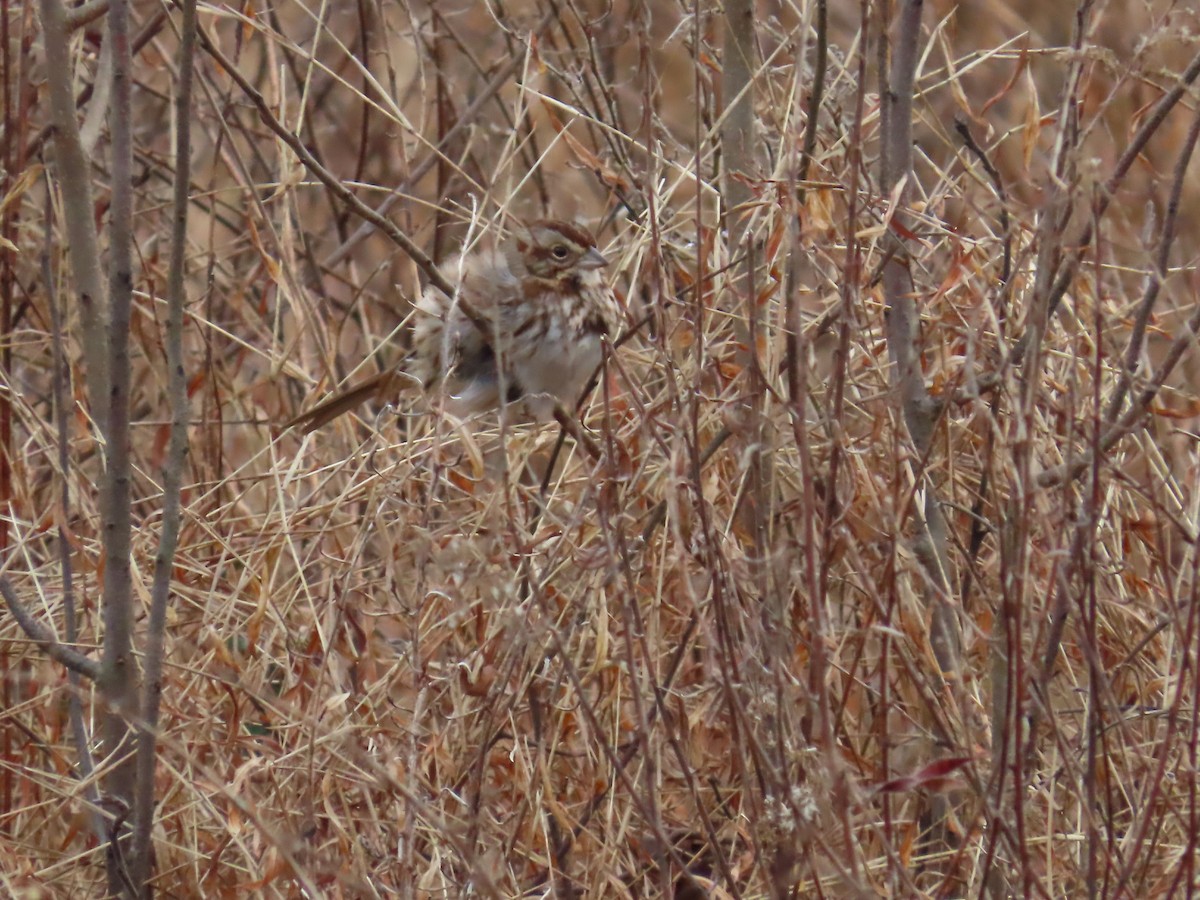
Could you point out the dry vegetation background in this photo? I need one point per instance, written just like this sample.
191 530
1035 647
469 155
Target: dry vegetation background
736 654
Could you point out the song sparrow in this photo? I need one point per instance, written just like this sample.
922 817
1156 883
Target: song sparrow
538 309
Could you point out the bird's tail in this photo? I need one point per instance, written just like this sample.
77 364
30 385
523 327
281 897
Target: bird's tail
383 387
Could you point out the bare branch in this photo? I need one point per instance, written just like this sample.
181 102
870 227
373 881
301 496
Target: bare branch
147 33
40 635
469 115
902 321
343 193
816 95
1155 279
118 679
904 327
1133 417
1111 184
737 122
74 178
89 12
176 457
79 730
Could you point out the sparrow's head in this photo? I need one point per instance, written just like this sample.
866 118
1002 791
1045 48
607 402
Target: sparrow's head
551 250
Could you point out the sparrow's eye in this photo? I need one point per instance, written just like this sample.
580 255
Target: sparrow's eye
560 251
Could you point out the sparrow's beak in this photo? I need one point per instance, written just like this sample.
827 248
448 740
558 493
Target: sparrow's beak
592 260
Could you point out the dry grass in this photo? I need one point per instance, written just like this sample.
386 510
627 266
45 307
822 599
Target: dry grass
397 666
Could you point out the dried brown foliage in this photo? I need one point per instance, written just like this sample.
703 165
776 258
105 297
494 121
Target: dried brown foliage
397 664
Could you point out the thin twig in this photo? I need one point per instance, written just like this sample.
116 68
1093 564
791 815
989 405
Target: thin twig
572 427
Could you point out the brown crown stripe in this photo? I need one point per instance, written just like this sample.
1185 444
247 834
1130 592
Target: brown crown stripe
580 236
